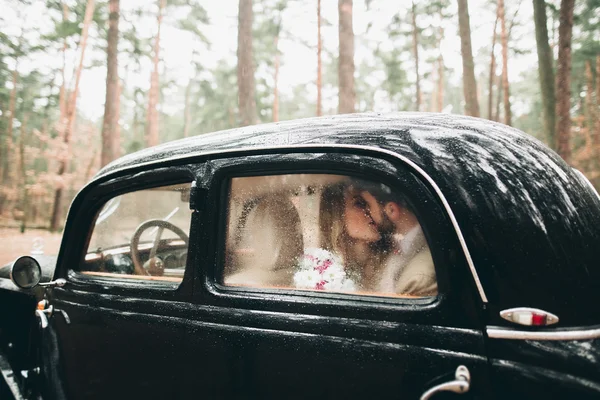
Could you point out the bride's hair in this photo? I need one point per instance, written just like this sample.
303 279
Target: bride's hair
331 217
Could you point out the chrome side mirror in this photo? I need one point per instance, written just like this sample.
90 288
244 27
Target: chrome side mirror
26 272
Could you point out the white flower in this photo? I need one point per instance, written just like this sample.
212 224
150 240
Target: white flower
307 279
334 274
320 269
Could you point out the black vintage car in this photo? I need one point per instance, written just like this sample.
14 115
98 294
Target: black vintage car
360 256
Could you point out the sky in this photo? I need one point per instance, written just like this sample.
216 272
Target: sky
298 61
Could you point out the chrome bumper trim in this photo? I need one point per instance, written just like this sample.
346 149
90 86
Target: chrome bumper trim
575 334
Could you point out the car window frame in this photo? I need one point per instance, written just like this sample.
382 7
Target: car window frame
81 222
334 162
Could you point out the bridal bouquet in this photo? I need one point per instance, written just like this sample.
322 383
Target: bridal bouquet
320 269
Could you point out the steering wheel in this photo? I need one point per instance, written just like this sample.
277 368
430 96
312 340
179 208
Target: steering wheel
135 241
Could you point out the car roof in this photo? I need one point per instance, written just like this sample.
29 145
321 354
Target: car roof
530 222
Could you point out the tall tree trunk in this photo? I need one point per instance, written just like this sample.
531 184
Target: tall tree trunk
597 125
47 107
153 95
62 97
469 83
591 112
319 62
498 97
3 141
563 80
440 82
505 87
70 118
111 121
23 175
546 73
276 78
6 171
492 72
346 96
117 139
415 45
245 66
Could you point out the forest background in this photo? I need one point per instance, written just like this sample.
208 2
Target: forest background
84 82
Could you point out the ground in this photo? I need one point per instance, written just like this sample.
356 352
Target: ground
13 243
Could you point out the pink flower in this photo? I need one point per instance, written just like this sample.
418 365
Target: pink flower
322 267
320 285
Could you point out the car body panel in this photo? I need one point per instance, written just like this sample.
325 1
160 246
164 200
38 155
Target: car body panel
511 225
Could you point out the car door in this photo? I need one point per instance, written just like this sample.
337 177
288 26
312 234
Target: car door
119 328
281 340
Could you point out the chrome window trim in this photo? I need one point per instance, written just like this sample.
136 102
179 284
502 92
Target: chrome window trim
258 149
513 334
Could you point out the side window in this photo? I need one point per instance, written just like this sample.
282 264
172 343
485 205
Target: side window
325 233
141 235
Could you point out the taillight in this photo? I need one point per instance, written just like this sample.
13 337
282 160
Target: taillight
529 316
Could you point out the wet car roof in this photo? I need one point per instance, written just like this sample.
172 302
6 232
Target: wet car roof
530 222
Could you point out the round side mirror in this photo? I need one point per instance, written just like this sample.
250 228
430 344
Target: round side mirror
26 272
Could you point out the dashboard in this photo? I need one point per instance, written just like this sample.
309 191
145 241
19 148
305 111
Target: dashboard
171 256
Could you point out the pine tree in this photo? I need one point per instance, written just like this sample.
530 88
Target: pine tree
563 80
469 83
245 66
546 72
110 143
347 96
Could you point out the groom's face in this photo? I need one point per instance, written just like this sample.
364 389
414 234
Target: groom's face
378 214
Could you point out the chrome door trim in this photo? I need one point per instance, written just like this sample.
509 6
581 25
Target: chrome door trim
316 147
563 334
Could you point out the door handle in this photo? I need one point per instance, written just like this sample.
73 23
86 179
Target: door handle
460 384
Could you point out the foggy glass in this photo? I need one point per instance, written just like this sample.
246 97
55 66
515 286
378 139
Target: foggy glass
324 232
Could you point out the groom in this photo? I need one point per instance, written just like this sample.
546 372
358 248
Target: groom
409 268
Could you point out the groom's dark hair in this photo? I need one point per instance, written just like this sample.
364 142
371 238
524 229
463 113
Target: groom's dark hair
383 193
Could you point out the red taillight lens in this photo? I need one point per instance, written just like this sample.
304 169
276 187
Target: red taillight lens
538 319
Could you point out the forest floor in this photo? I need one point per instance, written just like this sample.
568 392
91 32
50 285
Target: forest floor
13 243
